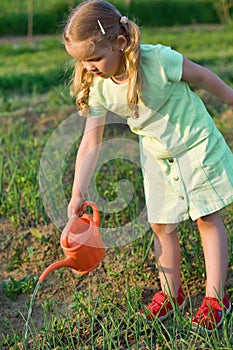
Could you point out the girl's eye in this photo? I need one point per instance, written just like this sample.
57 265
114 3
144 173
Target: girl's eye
94 59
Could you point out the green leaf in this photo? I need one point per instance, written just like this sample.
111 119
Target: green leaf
36 233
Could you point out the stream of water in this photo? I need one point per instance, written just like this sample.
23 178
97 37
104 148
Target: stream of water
30 308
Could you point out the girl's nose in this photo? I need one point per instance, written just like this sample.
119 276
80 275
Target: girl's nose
89 66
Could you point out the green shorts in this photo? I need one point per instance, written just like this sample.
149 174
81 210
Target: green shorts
191 184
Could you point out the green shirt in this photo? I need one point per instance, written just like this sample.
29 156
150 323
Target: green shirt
170 112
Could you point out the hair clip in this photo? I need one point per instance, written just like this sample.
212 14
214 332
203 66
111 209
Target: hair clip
124 20
101 27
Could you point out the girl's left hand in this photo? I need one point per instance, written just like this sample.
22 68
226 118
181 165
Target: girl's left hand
75 206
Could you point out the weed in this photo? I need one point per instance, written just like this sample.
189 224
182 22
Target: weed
14 288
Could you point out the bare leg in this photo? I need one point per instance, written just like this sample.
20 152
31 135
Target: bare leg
167 251
215 246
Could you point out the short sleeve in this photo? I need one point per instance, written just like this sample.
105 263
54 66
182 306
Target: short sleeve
172 63
96 106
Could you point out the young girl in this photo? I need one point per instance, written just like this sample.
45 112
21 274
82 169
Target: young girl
187 166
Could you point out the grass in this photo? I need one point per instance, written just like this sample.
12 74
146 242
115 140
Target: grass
21 114
37 77
108 319
103 306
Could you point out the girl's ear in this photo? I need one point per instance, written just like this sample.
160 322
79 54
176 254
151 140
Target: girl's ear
121 43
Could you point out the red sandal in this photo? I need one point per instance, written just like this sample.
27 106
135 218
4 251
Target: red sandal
211 313
162 305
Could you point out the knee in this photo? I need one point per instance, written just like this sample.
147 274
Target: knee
208 221
161 229
157 228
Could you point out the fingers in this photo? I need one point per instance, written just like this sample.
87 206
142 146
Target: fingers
75 208
70 212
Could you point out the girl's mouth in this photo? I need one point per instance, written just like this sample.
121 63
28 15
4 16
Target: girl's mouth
99 74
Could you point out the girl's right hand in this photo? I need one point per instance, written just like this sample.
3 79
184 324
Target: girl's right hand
74 207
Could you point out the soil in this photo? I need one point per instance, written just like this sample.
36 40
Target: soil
58 285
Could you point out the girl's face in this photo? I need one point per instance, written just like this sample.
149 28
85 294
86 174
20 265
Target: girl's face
103 61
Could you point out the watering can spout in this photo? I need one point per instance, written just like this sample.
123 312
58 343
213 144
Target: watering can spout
68 262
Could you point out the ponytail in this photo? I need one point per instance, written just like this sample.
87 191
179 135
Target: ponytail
80 87
132 60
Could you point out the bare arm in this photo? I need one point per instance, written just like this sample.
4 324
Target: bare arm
203 77
86 160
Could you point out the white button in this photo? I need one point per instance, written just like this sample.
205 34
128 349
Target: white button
176 178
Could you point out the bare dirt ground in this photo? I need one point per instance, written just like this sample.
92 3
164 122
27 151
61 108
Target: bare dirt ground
59 285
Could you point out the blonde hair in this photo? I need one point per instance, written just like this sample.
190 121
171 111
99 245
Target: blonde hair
83 24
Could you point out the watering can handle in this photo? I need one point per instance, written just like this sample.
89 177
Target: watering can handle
96 214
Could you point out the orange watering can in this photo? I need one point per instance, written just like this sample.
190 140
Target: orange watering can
81 243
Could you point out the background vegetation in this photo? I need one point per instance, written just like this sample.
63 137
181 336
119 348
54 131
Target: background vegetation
49 16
